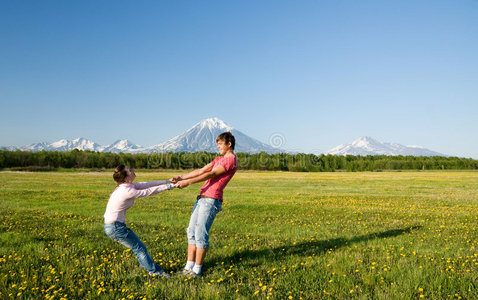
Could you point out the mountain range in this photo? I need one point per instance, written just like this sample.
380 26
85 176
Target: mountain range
368 146
202 137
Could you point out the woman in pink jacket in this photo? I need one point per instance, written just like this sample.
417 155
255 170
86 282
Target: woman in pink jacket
122 199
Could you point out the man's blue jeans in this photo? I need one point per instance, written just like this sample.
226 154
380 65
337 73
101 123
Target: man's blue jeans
204 212
118 232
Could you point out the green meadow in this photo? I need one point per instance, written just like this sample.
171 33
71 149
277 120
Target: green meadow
281 235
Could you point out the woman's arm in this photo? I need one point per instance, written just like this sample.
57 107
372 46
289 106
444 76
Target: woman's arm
150 191
145 185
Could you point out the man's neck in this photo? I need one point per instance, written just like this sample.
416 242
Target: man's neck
228 153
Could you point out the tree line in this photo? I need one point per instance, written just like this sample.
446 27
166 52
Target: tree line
48 160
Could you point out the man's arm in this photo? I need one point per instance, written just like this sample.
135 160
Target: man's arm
218 170
192 174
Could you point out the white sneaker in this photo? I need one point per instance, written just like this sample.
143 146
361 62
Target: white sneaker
191 273
160 274
184 271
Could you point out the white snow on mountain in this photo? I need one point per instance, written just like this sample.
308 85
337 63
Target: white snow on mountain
63 145
78 143
368 146
35 147
10 148
121 146
200 137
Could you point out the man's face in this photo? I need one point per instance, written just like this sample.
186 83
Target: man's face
223 147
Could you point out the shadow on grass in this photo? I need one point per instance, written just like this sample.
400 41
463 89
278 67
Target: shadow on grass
310 248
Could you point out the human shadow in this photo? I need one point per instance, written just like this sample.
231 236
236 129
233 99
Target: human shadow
309 248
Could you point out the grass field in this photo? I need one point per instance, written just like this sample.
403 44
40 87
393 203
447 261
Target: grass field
389 235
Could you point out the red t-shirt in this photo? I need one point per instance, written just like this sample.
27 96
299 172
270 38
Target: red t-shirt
213 187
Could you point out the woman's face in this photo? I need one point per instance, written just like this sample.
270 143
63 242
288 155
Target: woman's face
131 175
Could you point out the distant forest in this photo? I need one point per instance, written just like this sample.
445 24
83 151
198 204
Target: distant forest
50 160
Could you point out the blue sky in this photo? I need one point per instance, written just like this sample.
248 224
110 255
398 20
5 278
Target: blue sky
320 73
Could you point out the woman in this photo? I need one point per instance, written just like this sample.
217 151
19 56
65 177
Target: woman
122 199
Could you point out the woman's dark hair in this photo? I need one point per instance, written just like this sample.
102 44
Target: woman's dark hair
227 137
120 174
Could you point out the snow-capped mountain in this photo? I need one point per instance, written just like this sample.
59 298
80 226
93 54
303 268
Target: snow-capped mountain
36 147
200 137
121 146
368 146
78 143
63 145
10 148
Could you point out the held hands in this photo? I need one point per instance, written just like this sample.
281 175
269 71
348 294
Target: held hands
170 185
176 179
179 182
182 184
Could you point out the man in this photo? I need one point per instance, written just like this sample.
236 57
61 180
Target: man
209 202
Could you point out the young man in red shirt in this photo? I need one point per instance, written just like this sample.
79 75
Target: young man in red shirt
217 174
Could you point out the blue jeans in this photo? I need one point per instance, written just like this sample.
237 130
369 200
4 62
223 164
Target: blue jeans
204 212
118 232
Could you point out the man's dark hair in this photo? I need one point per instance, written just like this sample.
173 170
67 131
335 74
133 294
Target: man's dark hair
227 137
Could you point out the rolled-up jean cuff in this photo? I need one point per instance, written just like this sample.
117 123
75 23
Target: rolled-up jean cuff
198 244
202 246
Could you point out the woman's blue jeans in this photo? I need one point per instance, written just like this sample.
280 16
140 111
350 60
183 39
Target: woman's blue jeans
118 232
204 212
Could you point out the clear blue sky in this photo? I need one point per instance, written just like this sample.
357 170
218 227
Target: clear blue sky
321 73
